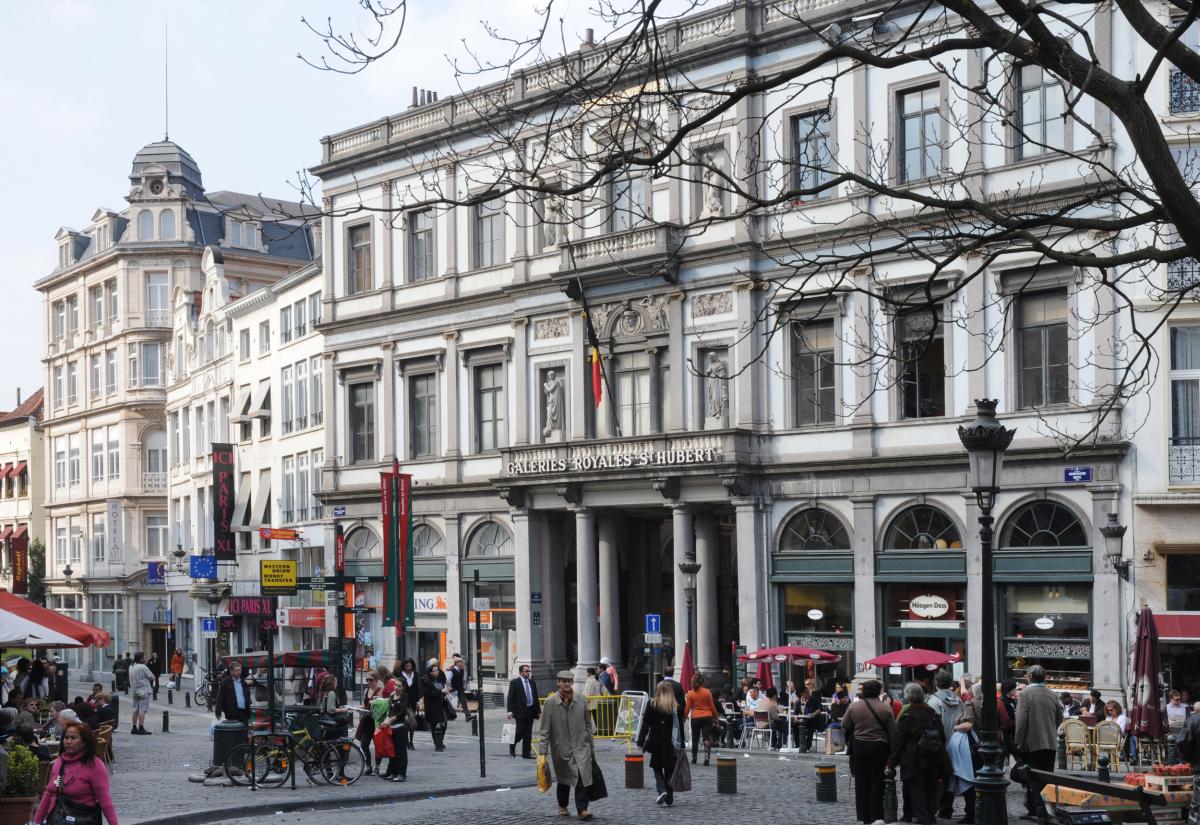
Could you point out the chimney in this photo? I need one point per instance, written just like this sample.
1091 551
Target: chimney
414 103
589 38
18 396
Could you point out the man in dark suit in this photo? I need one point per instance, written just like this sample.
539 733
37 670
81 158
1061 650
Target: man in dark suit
233 696
523 707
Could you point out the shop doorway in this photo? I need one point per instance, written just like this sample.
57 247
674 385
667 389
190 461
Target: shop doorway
159 644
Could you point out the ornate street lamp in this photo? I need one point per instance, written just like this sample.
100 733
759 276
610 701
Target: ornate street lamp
985 440
689 569
69 581
1114 545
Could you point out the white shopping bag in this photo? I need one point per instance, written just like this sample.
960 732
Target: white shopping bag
508 734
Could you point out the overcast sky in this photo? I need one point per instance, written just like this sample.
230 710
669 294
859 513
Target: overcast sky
82 91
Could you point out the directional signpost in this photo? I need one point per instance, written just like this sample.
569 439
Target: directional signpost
653 641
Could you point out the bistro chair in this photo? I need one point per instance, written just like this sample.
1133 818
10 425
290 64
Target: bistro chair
1109 742
760 734
1078 744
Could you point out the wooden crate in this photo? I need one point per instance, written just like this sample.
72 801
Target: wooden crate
1167 784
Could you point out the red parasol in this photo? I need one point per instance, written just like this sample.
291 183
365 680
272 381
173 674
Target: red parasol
785 652
687 670
764 674
1146 714
81 632
913 657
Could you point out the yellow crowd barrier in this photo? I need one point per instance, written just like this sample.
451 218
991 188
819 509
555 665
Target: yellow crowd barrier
616 717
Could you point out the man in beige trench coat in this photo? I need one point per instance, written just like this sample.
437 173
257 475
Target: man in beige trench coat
566 730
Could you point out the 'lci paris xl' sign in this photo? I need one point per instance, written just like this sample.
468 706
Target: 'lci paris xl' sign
619 457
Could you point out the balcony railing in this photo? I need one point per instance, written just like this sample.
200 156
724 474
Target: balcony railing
1185 94
1183 460
154 482
1183 274
158 318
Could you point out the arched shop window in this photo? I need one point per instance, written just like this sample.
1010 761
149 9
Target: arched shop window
363 544
427 541
814 529
922 527
1043 524
490 539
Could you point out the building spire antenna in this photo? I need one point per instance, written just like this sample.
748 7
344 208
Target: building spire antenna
166 86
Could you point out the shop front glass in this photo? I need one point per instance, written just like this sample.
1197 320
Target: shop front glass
821 617
1049 625
498 632
107 612
932 617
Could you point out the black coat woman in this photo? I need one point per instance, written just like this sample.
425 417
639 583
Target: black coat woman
662 737
433 692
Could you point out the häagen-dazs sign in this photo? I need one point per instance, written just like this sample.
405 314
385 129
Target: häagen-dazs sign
929 607
613 457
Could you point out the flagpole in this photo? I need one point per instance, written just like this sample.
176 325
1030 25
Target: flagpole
593 340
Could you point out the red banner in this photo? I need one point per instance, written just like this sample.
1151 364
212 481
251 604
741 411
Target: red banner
20 564
339 548
223 502
386 491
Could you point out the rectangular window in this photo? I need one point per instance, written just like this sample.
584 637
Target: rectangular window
156 535
133 365
76 535
98 536
199 430
420 245
923 365
489 233
358 265
59 388
314 308
301 395
299 318
151 365
1042 349
174 435
60 542
72 382
1041 112
317 391
185 434
289 489
60 320
74 459
489 408
111 298
362 423
95 376
285 325
285 399
96 305
72 315
244 345
60 462
264 337
114 452
919 132
302 497
98 455
110 371
158 312
628 203
318 462
633 394
812 159
814 373
422 415
1184 446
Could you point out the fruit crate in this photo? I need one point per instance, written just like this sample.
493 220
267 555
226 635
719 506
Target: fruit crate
1167 784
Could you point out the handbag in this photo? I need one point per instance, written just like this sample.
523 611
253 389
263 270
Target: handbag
597 790
681 777
384 744
67 812
543 774
508 733
451 714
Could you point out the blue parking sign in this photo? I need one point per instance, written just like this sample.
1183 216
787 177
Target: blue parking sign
654 623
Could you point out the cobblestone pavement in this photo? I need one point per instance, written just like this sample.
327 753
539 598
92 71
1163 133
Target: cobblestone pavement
150 782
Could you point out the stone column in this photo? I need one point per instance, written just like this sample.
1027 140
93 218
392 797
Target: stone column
751 601
610 596
865 644
527 536
684 550
588 632
680 376
456 617
389 420
453 370
577 398
526 413
707 555
1111 636
975 594
554 637
386 232
742 356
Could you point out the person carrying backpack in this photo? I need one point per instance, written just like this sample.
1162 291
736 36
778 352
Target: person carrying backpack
919 751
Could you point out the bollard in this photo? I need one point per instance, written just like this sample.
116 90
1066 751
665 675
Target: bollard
187 700
170 697
1062 752
635 771
126 690
1102 772
166 721
726 774
475 725
826 782
802 732
890 813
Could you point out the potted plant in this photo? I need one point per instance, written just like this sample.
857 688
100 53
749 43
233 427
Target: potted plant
23 787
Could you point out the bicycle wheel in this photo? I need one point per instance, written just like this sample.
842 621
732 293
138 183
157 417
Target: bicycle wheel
239 766
342 762
202 695
275 763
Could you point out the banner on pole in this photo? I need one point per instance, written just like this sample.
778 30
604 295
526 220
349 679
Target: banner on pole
223 502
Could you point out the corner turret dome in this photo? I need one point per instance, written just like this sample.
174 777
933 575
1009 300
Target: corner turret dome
167 156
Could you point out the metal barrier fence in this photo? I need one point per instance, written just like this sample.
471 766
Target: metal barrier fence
616 717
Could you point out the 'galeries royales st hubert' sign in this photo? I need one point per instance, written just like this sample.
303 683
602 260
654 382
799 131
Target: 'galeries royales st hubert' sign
616 455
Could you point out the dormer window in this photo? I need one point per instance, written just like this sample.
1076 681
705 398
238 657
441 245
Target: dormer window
64 255
166 225
243 234
145 225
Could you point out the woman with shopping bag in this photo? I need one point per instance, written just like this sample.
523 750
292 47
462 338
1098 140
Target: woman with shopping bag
662 738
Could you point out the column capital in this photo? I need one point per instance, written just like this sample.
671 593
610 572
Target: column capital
679 508
746 503
863 501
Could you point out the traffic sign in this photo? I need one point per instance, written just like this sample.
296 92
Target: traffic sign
481 603
359 609
278 534
208 627
654 623
654 638
277 577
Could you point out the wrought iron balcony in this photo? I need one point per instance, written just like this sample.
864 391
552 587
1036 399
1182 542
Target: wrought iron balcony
1183 274
158 317
1185 94
154 482
1183 460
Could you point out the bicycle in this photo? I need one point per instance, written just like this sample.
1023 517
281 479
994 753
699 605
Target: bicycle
207 687
270 758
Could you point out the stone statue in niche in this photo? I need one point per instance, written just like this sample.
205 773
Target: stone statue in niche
554 221
552 390
656 311
716 392
710 189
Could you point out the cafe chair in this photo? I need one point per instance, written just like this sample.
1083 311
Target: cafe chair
1078 744
1109 742
760 734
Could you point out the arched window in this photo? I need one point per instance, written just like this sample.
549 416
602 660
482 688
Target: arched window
922 527
145 225
427 541
490 539
156 451
814 529
166 225
1043 524
363 544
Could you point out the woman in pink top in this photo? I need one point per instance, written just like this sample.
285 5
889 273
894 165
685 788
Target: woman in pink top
84 777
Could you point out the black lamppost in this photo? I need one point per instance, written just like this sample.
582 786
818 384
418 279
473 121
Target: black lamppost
689 569
985 440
